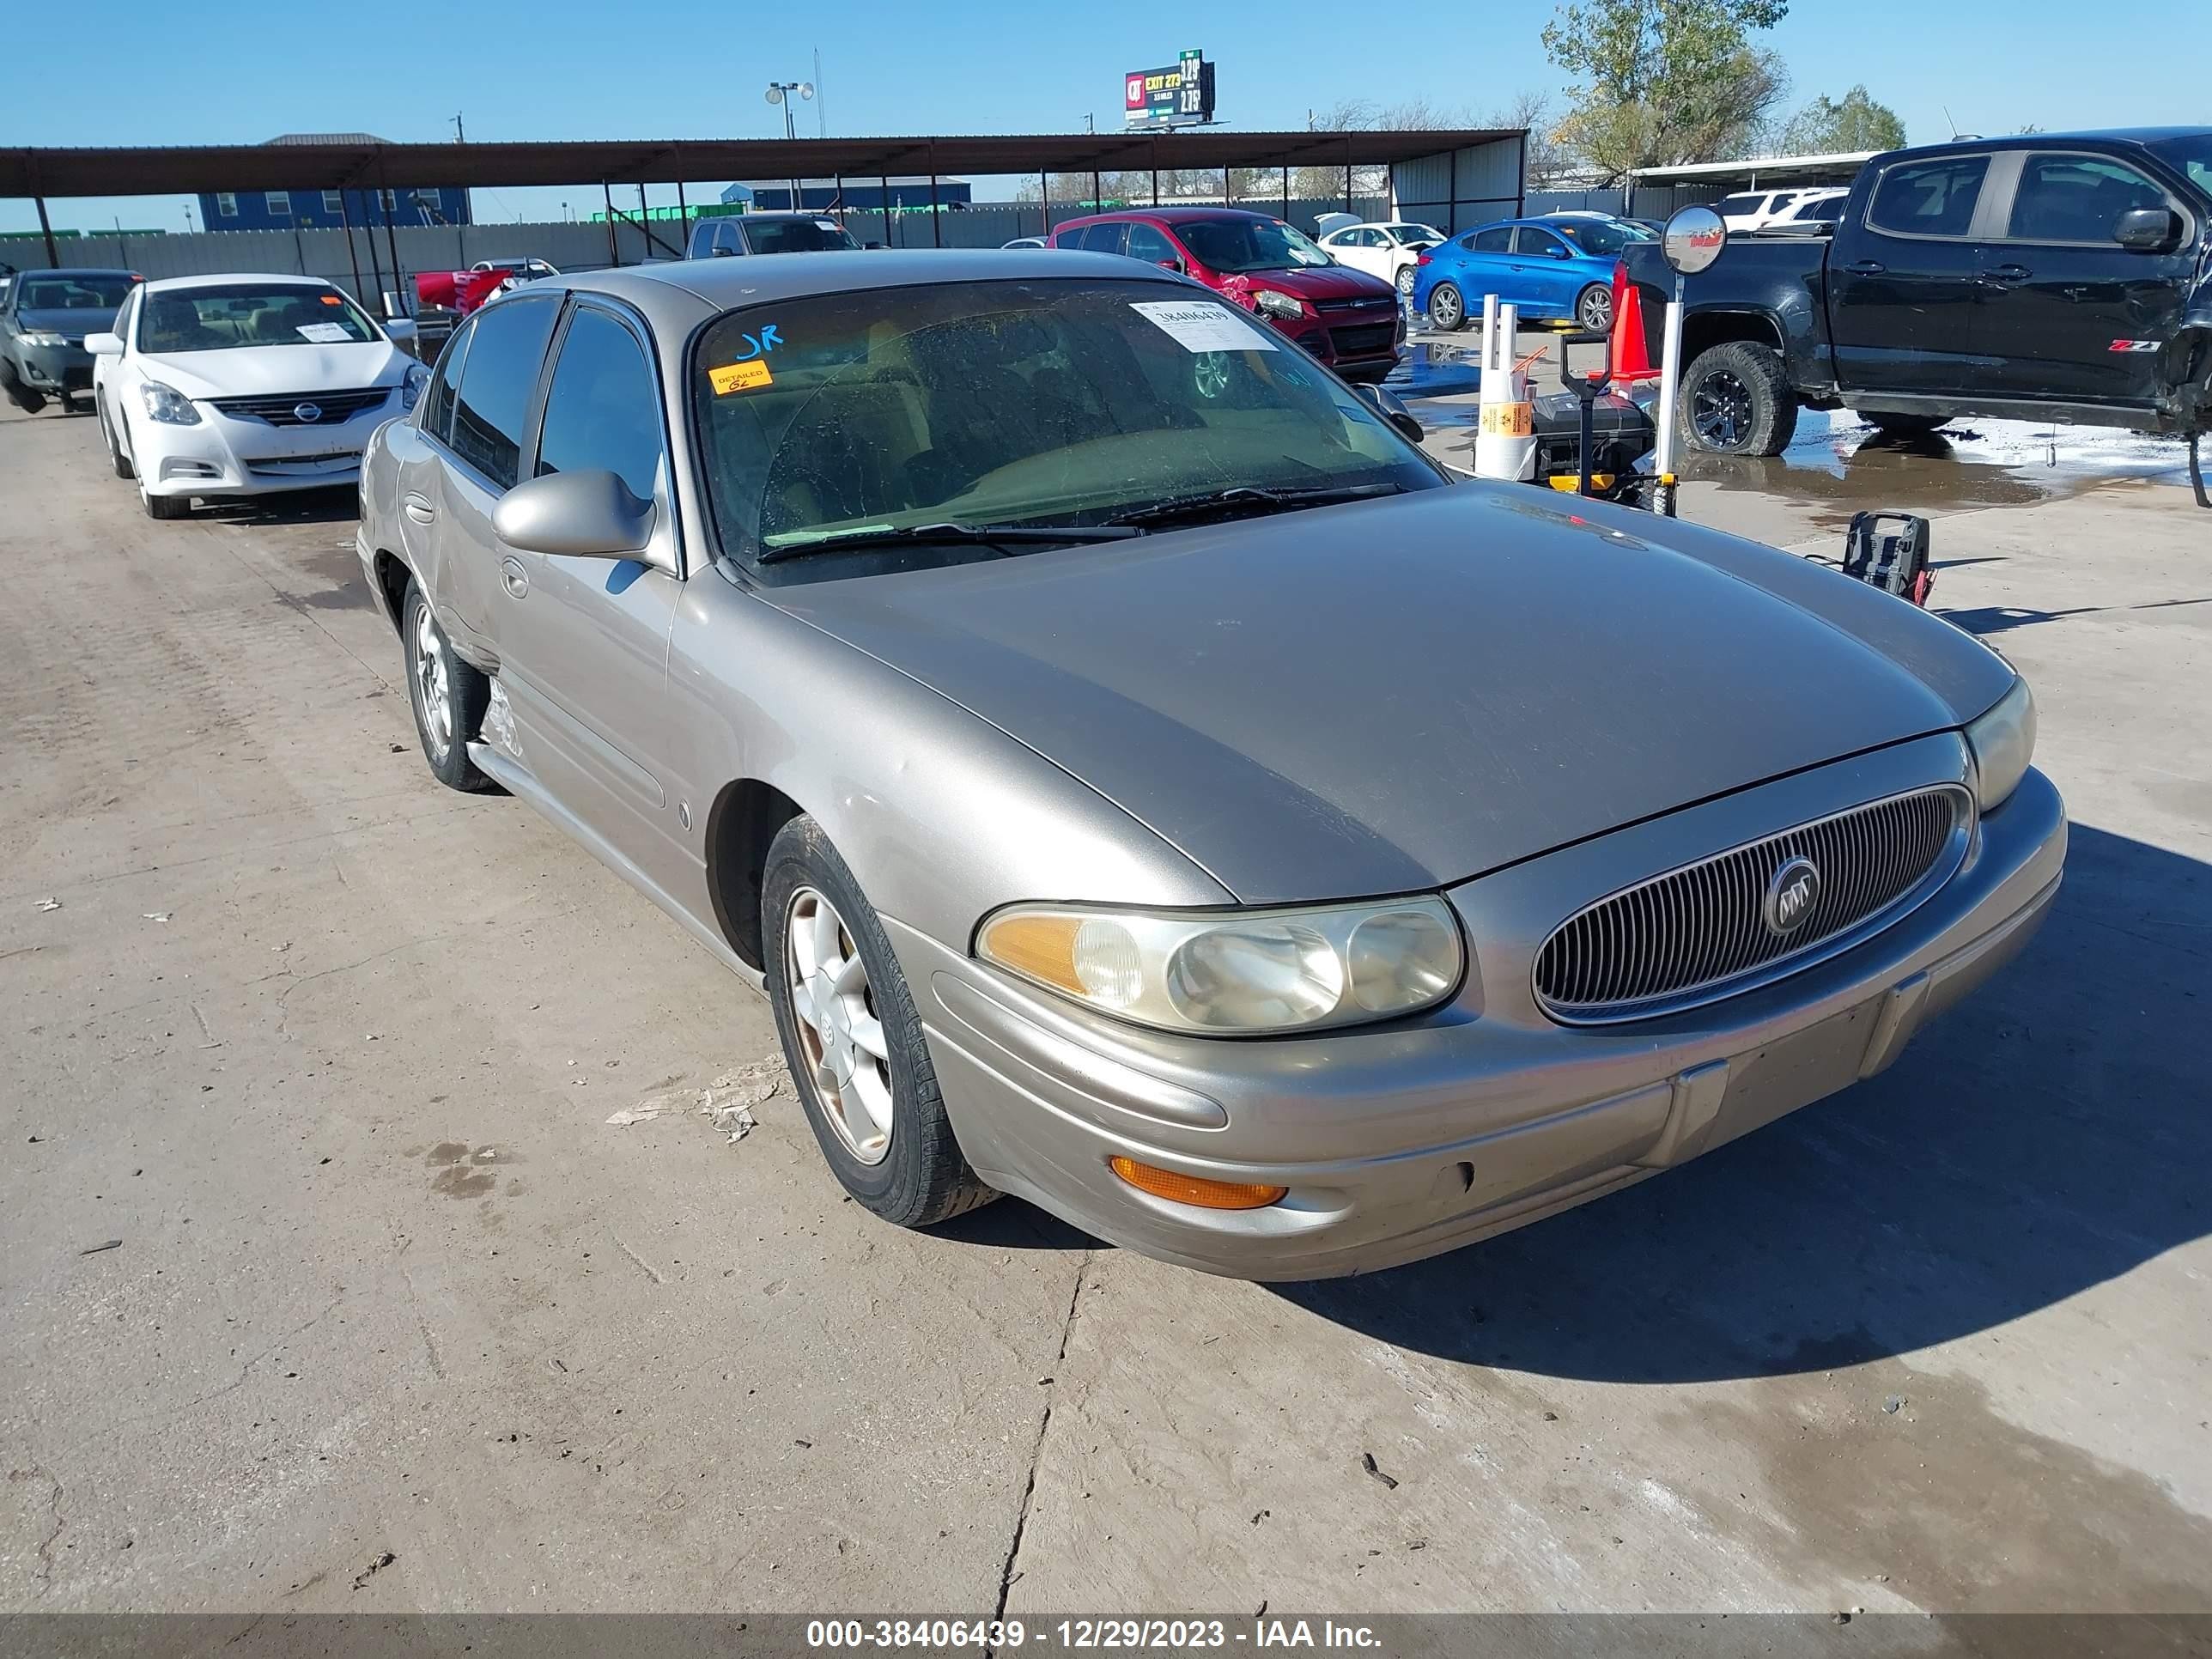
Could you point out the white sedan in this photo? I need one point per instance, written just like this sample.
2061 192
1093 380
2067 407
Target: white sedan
244 385
1389 250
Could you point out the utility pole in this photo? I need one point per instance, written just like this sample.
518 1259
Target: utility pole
779 92
460 134
820 104
188 218
1089 124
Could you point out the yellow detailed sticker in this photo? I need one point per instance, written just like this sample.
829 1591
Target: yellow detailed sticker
738 377
1508 420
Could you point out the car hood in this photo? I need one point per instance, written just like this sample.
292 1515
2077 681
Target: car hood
1395 696
1314 282
76 323
267 370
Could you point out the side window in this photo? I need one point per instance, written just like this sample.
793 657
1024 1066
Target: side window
506 350
603 410
1928 198
1499 239
1540 244
436 416
2077 198
1104 238
1147 243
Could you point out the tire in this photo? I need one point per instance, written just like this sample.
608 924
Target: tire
116 458
883 1131
1406 281
166 507
1447 309
21 395
448 697
1893 425
1594 308
1736 400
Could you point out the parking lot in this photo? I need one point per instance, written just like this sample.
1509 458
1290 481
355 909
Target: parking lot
394 1318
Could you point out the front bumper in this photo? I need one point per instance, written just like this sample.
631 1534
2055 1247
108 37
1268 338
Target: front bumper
56 369
230 455
1400 1141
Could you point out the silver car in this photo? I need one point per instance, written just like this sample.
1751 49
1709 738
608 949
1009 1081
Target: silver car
1143 781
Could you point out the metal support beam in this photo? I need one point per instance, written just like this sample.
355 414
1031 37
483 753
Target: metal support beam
1228 195
47 230
1347 174
387 201
1044 196
353 254
1286 191
885 182
1097 195
614 247
682 216
936 230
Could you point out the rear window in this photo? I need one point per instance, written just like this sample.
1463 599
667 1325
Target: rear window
1497 240
1728 204
82 290
1928 198
794 235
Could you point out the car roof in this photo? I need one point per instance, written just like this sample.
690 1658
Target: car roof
679 291
77 271
1178 216
229 278
2125 137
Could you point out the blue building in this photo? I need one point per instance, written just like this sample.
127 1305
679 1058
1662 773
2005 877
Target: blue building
853 196
311 209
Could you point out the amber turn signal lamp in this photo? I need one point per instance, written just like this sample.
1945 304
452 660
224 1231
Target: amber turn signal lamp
1195 1189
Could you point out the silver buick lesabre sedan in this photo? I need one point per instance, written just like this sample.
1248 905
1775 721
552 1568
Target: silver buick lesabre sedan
1143 781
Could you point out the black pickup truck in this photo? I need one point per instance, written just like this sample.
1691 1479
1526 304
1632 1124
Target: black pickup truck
2051 277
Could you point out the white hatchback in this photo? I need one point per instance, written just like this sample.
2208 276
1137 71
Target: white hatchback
237 385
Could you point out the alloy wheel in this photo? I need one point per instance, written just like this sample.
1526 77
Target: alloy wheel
434 688
839 1033
1720 410
1405 280
1444 307
1597 310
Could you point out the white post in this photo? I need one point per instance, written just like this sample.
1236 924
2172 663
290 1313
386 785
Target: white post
1670 388
1489 329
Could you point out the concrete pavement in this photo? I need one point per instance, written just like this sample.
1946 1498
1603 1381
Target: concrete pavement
396 1320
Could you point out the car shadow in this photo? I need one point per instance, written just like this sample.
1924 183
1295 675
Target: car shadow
2045 1136
337 504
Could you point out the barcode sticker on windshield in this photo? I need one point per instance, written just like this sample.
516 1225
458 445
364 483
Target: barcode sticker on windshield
1203 326
325 333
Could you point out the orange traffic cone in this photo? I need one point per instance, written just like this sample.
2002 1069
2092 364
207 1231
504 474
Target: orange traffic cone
1631 350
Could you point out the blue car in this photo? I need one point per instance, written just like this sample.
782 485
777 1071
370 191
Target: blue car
1556 267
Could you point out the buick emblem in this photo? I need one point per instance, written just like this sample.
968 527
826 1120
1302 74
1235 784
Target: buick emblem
1790 896
306 413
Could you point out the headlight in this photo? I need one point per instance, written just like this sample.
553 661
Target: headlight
2004 742
168 406
1272 302
410 389
43 336
1236 973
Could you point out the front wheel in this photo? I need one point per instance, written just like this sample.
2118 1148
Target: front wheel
1594 308
11 382
1736 400
116 458
853 1039
1406 281
449 697
165 507
1447 310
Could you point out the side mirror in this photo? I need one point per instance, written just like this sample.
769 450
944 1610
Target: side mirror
1387 405
2147 230
402 329
1174 265
104 345
585 515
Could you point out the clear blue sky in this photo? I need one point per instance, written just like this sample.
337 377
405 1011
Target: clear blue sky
127 73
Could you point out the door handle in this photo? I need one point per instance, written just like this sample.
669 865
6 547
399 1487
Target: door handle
513 578
2007 274
418 509
1866 267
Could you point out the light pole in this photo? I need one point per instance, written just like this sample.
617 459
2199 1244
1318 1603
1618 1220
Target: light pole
779 92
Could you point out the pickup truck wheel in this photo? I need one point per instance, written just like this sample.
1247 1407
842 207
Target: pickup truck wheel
1447 311
1901 426
1736 400
449 697
853 1038
1594 308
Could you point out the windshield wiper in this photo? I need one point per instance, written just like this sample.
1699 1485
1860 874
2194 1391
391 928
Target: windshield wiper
925 535
1250 498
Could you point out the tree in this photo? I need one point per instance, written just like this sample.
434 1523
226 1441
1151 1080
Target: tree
1548 166
1662 81
1857 123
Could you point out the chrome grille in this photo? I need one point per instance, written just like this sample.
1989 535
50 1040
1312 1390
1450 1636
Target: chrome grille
1700 932
282 410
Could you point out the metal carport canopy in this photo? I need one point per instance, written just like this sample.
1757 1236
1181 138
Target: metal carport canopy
161 171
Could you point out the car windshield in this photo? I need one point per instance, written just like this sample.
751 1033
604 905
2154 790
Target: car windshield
1034 402
1601 237
82 290
2191 156
238 314
1405 234
1235 246
795 235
